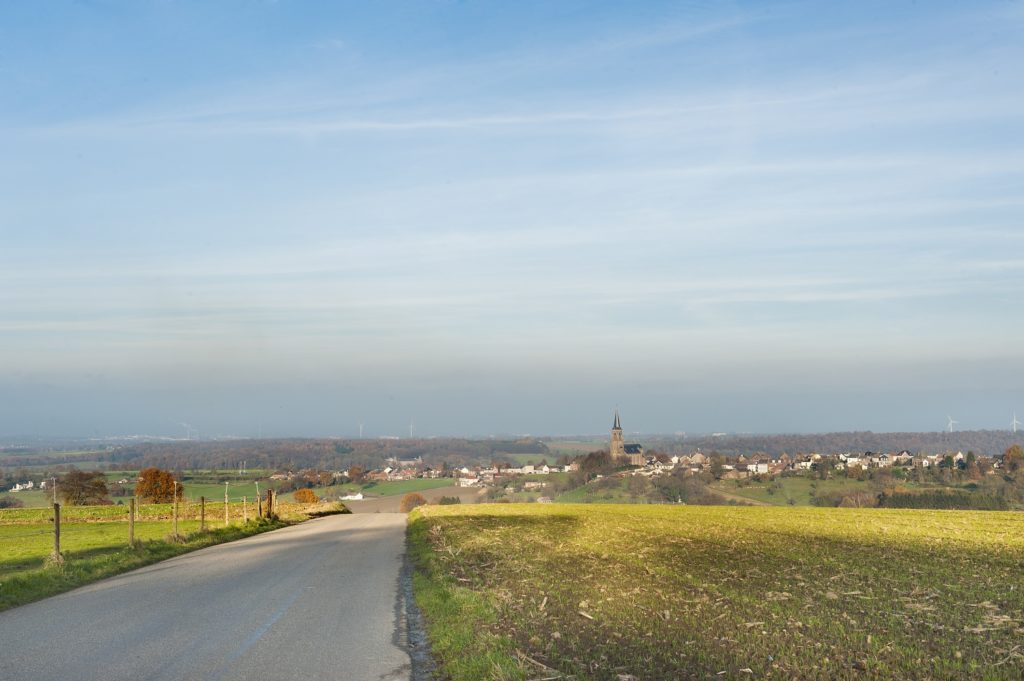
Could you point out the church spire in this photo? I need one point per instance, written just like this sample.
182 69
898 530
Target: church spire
617 425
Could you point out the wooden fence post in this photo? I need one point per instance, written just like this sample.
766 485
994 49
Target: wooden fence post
131 522
270 503
245 510
225 504
202 514
56 557
175 515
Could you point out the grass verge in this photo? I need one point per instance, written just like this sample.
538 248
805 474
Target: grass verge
459 620
81 569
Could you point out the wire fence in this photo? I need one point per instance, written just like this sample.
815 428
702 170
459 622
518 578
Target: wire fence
31 537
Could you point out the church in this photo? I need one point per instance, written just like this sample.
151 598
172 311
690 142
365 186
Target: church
620 451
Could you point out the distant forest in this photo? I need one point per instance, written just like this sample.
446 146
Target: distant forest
289 454
331 454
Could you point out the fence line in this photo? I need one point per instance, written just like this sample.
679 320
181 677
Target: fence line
60 520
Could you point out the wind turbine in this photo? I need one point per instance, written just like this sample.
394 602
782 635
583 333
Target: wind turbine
951 423
410 429
188 430
1015 422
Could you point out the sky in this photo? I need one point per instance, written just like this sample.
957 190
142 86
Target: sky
472 218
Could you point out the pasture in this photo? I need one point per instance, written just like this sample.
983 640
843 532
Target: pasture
679 592
94 541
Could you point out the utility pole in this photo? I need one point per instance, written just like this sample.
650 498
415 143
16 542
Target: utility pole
53 481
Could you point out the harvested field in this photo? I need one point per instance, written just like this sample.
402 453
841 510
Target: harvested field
657 592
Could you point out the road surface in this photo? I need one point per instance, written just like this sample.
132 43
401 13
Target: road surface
318 600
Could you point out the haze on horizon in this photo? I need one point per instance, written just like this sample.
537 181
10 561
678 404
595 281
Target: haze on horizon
289 217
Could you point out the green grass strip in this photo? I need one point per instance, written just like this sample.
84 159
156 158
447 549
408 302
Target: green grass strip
459 621
79 570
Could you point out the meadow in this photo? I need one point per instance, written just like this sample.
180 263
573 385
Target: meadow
94 541
676 592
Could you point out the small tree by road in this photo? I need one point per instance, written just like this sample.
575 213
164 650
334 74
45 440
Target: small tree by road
411 501
306 496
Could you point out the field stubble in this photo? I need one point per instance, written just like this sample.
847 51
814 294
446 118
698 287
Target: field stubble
609 592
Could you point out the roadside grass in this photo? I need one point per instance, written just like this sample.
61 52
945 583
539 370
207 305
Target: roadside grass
460 620
670 592
94 542
98 561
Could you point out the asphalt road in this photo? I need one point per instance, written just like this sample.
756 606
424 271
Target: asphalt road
318 600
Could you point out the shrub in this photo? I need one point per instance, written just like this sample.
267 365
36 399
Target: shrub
11 502
411 501
306 496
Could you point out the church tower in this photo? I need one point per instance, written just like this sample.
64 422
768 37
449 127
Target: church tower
618 448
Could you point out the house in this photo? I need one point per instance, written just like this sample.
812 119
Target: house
468 482
358 496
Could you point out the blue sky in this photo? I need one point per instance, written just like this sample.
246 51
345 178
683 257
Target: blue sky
510 217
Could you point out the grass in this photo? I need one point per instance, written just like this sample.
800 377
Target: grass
92 556
387 489
94 542
237 489
799 489
670 592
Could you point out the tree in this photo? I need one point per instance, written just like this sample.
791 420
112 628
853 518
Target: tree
11 502
81 488
306 496
1013 459
411 501
157 486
